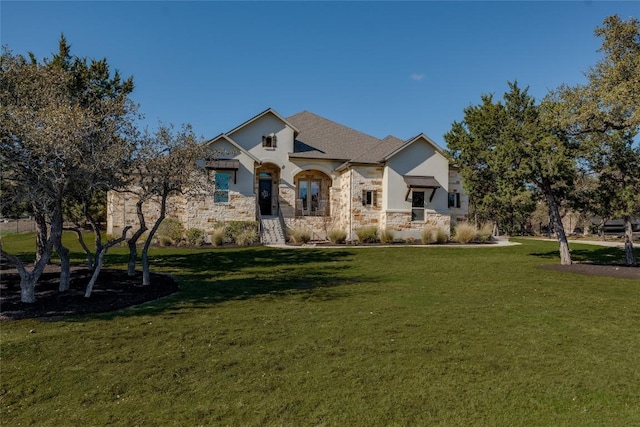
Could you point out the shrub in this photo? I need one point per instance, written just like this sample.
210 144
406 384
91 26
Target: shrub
337 236
434 234
170 232
217 236
441 235
465 232
386 236
165 241
195 236
486 232
247 236
428 235
236 228
367 234
300 235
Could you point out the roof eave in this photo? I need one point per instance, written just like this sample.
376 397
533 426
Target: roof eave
259 115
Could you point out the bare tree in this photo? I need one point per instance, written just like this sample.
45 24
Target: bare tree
165 165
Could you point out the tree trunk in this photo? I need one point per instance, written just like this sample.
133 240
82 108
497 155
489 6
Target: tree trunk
629 257
65 267
133 241
29 279
556 219
100 261
146 277
603 221
42 235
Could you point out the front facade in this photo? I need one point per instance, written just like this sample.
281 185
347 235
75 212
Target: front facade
319 175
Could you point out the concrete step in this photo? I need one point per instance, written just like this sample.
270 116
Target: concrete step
272 231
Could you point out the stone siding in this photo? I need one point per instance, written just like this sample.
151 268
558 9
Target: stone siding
399 222
193 211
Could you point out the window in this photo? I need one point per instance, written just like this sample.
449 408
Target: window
270 141
369 198
417 206
221 190
309 194
454 200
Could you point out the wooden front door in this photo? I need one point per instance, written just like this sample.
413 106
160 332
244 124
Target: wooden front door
264 196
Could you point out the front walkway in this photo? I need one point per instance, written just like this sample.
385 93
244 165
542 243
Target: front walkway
496 243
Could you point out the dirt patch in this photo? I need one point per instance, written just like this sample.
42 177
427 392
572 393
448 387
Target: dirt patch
606 270
113 290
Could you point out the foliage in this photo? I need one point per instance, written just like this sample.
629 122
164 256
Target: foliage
247 236
218 236
367 234
63 139
376 342
195 236
299 235
513 144
485 232
429 234
465 232
235 230
386 236
337 236
170 232
602 118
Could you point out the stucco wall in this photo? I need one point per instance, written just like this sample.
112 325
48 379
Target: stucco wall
244 176
420 158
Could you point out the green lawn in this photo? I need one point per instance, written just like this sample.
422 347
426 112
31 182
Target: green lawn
349 337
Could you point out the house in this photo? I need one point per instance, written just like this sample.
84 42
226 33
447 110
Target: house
310 172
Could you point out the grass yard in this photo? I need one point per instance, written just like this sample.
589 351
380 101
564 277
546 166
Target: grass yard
349 337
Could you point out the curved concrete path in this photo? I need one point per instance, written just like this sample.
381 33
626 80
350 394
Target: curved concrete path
497 243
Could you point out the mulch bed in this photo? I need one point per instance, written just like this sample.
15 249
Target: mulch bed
113 290
606 270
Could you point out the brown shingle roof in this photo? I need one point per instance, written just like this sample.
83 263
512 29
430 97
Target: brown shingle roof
320 138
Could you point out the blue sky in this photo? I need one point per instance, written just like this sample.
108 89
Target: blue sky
383 68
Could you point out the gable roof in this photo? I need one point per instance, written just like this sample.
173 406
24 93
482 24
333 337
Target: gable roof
224 137
411 141
319 138
258 116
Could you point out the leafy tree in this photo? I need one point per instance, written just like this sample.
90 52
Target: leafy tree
476 145
512 146
603 117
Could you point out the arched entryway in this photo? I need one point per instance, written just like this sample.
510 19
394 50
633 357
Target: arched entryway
267 180
312 193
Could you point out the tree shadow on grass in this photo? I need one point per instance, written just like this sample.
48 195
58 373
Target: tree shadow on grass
210 277
597 255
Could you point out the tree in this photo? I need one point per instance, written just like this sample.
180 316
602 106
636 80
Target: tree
511 145
62 132
603 117
476 145
36 153
105 152
165 164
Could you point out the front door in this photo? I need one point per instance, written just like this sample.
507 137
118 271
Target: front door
264 196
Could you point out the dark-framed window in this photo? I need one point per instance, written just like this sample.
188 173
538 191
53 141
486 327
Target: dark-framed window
454 200
369 198
309 193
417 205
270 141
221 187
